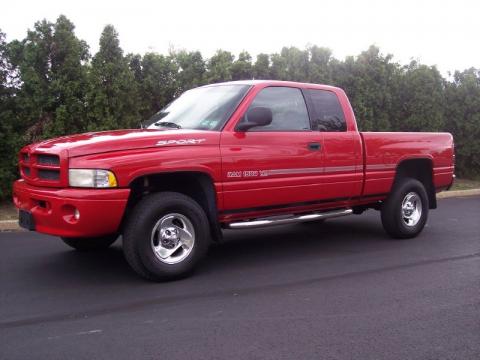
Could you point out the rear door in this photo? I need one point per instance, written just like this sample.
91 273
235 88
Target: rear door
274 166
342 147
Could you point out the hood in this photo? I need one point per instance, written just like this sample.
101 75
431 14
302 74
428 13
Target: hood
108 141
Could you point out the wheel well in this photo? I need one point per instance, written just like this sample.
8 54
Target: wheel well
199 186
422 170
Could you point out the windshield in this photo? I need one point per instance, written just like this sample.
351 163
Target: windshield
205 108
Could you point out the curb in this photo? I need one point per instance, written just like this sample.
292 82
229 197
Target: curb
9 225
12 225
457 193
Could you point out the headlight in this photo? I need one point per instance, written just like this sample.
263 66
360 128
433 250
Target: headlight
91 178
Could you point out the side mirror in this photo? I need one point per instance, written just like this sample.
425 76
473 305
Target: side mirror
257 116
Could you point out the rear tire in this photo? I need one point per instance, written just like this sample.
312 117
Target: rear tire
165 236
90 244
405 211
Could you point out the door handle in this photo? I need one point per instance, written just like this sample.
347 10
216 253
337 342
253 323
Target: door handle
314 146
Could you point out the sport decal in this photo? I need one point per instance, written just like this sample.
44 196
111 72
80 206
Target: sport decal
180 142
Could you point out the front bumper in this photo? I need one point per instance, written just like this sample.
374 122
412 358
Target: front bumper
53 210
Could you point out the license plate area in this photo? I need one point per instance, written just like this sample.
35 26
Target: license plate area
25 220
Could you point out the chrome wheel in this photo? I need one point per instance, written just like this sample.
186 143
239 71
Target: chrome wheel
173 238
411 209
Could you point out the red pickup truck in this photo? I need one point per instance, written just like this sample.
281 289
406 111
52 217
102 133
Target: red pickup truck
233 155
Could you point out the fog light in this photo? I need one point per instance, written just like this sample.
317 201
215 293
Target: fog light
70 214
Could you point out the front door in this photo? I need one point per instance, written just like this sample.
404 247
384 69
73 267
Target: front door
273 166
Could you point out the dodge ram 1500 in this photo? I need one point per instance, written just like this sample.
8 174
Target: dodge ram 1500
233 155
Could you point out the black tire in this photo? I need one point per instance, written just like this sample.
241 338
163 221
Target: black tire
137 236
394 219
90 244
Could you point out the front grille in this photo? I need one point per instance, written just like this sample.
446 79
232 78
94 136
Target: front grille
42 169
52 160
49 174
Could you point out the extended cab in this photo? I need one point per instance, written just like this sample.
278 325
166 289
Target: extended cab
233 155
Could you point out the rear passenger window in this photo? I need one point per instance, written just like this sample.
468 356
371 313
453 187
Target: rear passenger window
288 109
328 113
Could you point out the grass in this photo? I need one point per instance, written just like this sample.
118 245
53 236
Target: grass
9 212
465 184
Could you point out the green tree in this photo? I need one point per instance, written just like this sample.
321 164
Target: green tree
261 68
10 138
135 65
421 99
462 108
159 82
113 97
50 86
291 64
68 83
220 67
278 68
296 63
319 66
32 57
371 82
242 67
191 70
51 62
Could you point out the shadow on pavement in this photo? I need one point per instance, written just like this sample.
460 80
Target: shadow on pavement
240 249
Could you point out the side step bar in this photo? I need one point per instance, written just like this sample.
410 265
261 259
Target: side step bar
290 220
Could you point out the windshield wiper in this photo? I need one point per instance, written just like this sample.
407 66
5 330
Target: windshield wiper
168 124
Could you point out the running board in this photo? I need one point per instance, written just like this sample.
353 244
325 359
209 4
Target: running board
290 220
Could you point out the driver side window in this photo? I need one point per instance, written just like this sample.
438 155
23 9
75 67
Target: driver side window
289 112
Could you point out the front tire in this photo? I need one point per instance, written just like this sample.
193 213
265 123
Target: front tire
166 235
405 211
90 244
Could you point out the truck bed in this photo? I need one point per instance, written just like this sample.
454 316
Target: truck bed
383 151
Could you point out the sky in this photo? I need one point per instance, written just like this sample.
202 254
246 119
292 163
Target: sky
441 33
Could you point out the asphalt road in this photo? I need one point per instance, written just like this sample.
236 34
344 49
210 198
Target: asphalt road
339 290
